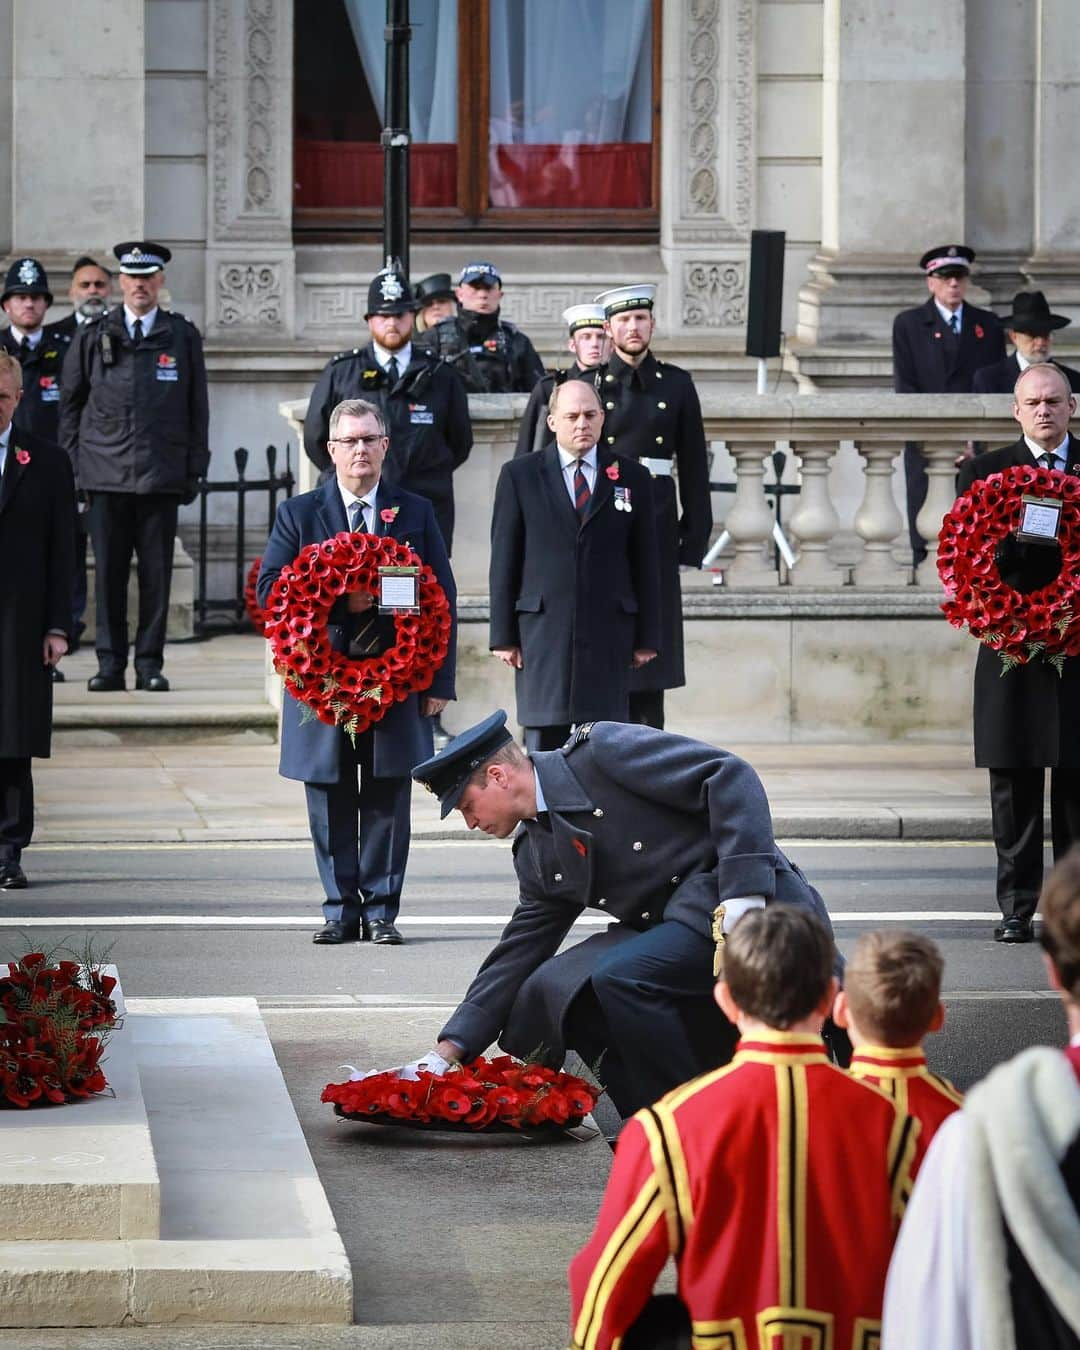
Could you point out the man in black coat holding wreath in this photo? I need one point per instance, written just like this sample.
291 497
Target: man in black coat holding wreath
1027 720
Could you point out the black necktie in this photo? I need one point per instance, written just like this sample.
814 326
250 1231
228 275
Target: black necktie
24 347
954 323
136 332
1049 460
392 371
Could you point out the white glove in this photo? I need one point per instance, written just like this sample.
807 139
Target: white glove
433 1062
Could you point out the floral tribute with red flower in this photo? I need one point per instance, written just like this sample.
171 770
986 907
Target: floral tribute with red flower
54 1025
488 1094
344 691
1040 625
255 611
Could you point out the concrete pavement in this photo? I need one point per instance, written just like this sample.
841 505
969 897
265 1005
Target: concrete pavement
200 763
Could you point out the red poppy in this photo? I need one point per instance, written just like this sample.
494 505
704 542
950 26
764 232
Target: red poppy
612 472
979 331
23 456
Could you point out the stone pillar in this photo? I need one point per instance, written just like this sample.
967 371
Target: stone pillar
249 259
1055 262
78 124
940 495
750 521
814 521
878 522
892 162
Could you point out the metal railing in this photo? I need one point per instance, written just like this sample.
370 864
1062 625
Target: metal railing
228 612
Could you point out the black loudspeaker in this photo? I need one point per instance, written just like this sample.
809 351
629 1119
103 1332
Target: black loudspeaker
766 293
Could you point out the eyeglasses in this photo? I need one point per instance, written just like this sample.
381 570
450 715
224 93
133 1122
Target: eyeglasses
351 442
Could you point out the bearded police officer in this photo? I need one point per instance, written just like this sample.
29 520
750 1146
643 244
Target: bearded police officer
652 414
134 417
591 346
425 407
39 350
490 354
669 838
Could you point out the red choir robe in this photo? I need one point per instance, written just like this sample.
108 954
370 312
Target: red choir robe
776 1183
903 1074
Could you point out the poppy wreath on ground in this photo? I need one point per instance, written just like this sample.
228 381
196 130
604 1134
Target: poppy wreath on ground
349 692
54 1024
487 1094
254 611
1041 624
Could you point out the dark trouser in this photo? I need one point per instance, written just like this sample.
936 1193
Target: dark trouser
647 708
122 524
647 1020
16 808
663 1324
1016 806
78 607
361 835
546 738
916 482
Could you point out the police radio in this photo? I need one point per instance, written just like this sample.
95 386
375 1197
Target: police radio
107 349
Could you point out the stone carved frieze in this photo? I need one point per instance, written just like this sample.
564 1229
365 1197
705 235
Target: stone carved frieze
714 294
249 295
259 58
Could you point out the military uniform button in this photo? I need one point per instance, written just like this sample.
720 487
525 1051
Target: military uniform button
661 404
609 405
601 902
675 880
610 379
637 845
558 876
611 440
598 811
646 916
659 376
659 440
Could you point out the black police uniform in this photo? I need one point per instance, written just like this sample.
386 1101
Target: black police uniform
533 432
491 355
135 421
652 411
427 416
39 408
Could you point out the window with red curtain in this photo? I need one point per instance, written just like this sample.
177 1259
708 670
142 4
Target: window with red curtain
527 115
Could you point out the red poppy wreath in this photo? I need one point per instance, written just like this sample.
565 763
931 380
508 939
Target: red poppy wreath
1042 624
352 693
255 612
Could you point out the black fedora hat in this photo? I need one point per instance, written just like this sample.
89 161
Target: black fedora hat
438 286
1031 314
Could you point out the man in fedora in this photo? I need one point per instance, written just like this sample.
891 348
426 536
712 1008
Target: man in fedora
1030 328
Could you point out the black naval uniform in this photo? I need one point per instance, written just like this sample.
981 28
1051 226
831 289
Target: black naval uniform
39 408
491 355
427 417
533 432
1002 376
135 421
652 412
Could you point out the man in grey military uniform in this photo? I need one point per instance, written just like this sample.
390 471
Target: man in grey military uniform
669 837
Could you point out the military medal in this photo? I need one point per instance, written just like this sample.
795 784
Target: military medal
622 499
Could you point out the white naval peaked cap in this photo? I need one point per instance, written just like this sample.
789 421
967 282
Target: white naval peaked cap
583 316
639 296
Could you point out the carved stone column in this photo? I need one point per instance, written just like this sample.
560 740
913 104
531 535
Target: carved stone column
249 257
814 521
940 494
707 163
750 521
878 521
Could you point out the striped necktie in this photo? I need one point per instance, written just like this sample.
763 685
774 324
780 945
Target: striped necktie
1049 459
581 491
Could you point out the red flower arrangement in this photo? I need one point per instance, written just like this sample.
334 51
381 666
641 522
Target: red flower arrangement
352 693
255 611
488 1094
54 1024
1042 624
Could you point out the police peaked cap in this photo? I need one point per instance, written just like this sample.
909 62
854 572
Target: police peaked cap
947 257
141 257
389 293
447 773
26 276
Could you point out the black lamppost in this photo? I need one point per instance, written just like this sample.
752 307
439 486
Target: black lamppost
395 137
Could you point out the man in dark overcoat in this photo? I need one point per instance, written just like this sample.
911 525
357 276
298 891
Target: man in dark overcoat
574 585
358 792
135 419
37 558
652 414
1027 720
1030 328
591 346
668 837
424 404
937 348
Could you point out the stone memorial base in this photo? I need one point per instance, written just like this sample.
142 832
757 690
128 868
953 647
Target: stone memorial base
189 1198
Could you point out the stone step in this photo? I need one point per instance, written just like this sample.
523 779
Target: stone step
246 1233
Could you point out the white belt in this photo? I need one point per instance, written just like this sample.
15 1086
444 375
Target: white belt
659 468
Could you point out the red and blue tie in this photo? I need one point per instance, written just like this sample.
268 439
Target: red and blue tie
581 491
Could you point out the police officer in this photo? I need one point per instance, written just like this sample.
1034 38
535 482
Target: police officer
39 350
652 414
937 348
669 838
434 299
134 417
591 346
491 355
424 405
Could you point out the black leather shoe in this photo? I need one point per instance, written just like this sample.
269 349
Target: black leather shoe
105 684
1014 929
56 675
336 932
12 877
152 684
384 934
